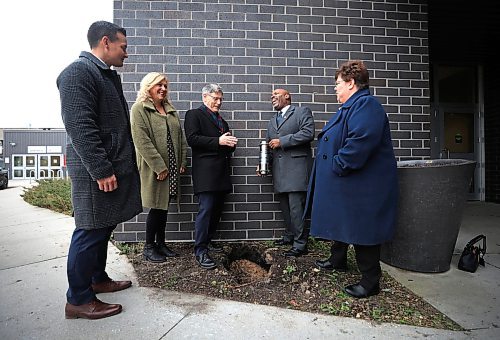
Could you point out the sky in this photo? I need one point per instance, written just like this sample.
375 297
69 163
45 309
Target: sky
38 40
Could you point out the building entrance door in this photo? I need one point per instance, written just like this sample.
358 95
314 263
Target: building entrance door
37 166
24 166
50 166
457 123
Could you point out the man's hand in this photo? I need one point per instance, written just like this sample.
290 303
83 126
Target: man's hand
228 140
108 184
257 170
274 143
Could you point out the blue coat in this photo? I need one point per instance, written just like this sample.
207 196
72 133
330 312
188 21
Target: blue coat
353 191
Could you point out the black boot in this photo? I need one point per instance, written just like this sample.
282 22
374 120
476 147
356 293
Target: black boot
152 255
164 250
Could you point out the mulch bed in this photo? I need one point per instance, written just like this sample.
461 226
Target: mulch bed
256 272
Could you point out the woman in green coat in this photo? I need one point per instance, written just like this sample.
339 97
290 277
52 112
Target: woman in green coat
161 157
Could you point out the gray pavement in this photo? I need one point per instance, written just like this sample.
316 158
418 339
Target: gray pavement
33 250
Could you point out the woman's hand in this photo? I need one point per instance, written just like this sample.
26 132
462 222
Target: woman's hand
162 175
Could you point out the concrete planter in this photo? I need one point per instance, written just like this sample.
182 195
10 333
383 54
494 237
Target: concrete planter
432 197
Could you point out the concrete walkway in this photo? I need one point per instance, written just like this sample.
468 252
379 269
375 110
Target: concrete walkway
33 250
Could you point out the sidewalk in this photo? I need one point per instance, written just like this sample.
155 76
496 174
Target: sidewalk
33 250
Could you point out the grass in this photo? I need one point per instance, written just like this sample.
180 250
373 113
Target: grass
128 248
53 194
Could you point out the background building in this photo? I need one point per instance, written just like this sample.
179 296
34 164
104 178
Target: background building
34 153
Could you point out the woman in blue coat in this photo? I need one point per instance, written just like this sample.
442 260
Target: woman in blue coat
352 194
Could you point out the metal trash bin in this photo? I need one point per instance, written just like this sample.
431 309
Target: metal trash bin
432 197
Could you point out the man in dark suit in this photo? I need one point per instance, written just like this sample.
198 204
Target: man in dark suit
289 135
101 164
207 133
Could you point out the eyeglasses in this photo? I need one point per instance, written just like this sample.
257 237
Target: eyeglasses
338 83
216 99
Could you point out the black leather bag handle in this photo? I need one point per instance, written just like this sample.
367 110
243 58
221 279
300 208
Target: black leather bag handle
476 240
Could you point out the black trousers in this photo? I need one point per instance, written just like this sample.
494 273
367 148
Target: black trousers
292 206
367 258
210 205
87 256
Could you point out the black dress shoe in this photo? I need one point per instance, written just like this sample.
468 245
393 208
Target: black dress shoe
205 261
282 242
165 251
358 291
295 252
215 248
327 265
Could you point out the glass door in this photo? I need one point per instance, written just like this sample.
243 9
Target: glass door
30 169
456 120
43 166
18 166
24 166
56 166
49 166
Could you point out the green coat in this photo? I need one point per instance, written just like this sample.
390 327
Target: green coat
149 132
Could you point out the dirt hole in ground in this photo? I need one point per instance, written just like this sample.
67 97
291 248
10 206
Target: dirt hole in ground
248 264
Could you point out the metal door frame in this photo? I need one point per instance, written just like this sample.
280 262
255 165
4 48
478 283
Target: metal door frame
437 127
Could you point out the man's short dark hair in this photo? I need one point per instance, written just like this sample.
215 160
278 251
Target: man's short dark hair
100 29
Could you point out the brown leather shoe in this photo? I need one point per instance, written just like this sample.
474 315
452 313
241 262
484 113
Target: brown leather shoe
95 309
110 286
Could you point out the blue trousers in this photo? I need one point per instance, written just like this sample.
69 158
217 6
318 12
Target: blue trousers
87 256
210 208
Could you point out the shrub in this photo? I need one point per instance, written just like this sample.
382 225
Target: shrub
53 194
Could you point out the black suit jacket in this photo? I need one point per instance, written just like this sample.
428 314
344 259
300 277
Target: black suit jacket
211 169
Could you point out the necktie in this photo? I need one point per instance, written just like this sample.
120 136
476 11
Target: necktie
280 118
218 120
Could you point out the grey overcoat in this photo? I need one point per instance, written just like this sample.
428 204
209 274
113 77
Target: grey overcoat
96 118
292 162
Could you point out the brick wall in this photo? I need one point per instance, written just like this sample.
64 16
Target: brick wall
250 47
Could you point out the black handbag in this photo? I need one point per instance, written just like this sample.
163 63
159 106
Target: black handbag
472 256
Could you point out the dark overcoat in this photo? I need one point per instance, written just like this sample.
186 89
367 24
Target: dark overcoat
353 191
291 163
96 118
211 168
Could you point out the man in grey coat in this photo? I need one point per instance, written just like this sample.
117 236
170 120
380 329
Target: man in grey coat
101 163
289 135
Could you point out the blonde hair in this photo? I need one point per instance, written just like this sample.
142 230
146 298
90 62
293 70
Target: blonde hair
150 80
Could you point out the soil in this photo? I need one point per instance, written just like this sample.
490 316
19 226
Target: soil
256 272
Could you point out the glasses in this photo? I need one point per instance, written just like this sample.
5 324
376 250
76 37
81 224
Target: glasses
338 83
216 99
